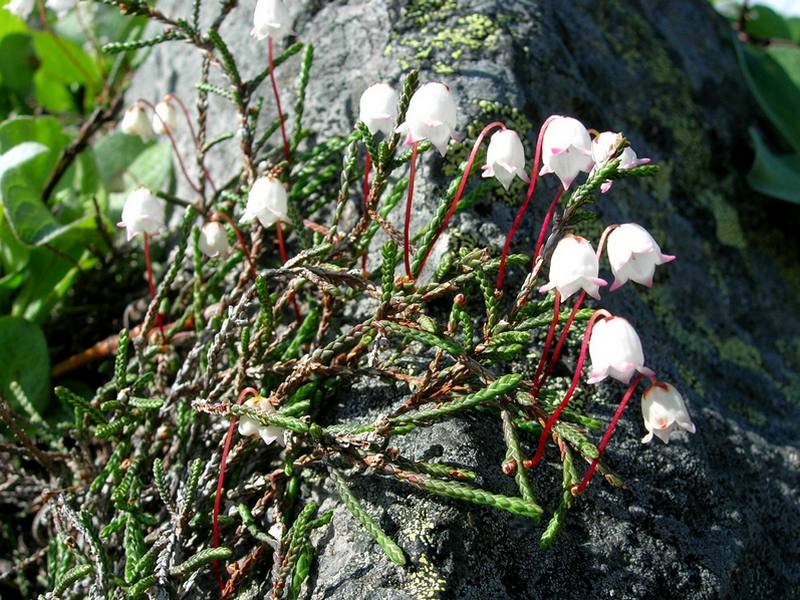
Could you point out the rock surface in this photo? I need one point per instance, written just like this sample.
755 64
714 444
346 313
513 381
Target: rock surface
714 515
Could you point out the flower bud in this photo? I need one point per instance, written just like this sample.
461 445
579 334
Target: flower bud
378 108
135 122
431 115
615 350
20 8
142 212
634 255
566 149
248 426
505 158
664 412
603 149
166 118
267 202
271 18
573 266
213 239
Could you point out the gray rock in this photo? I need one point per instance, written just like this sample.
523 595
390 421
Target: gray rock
714 515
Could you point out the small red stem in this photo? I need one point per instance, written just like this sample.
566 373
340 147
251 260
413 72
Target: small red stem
282 251
367 166
407 226
546 224
559 345
522 209
607 436
457 198
221 484
549 340
187 117
151 282
239 236
568 396
172 141
286 151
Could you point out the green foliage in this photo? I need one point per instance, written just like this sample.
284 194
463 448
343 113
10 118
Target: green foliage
24 360
770 62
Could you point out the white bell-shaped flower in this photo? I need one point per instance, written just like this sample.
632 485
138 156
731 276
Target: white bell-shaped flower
166 117
603 149
664 412
566 149
61 7
267 202
505 158
213 239
20 8
142 212
634 255
270 18
616 351
573 266
378 108
248 426
431 116
135 122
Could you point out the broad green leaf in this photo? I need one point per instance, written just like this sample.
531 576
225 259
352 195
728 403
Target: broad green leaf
31 221
65 61
24 359
794 27
44 130
765 23
153 167
13 255
774 90
115 153
18 63
773 174
51 95
51 276
10 23
788 57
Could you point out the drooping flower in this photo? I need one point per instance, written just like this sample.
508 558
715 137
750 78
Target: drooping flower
664 412
634 255
573 266
20 8
248 426
135 122
566 149
603 149
142 212
267 202
616 351
378 108
270 18
61 7
505 158
213 239
166 117
431 115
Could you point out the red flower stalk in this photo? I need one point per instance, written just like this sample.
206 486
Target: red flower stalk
287 153
171 136
607 436
221 484
522 209
282 251
187 117
454 204
548 341
568 396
